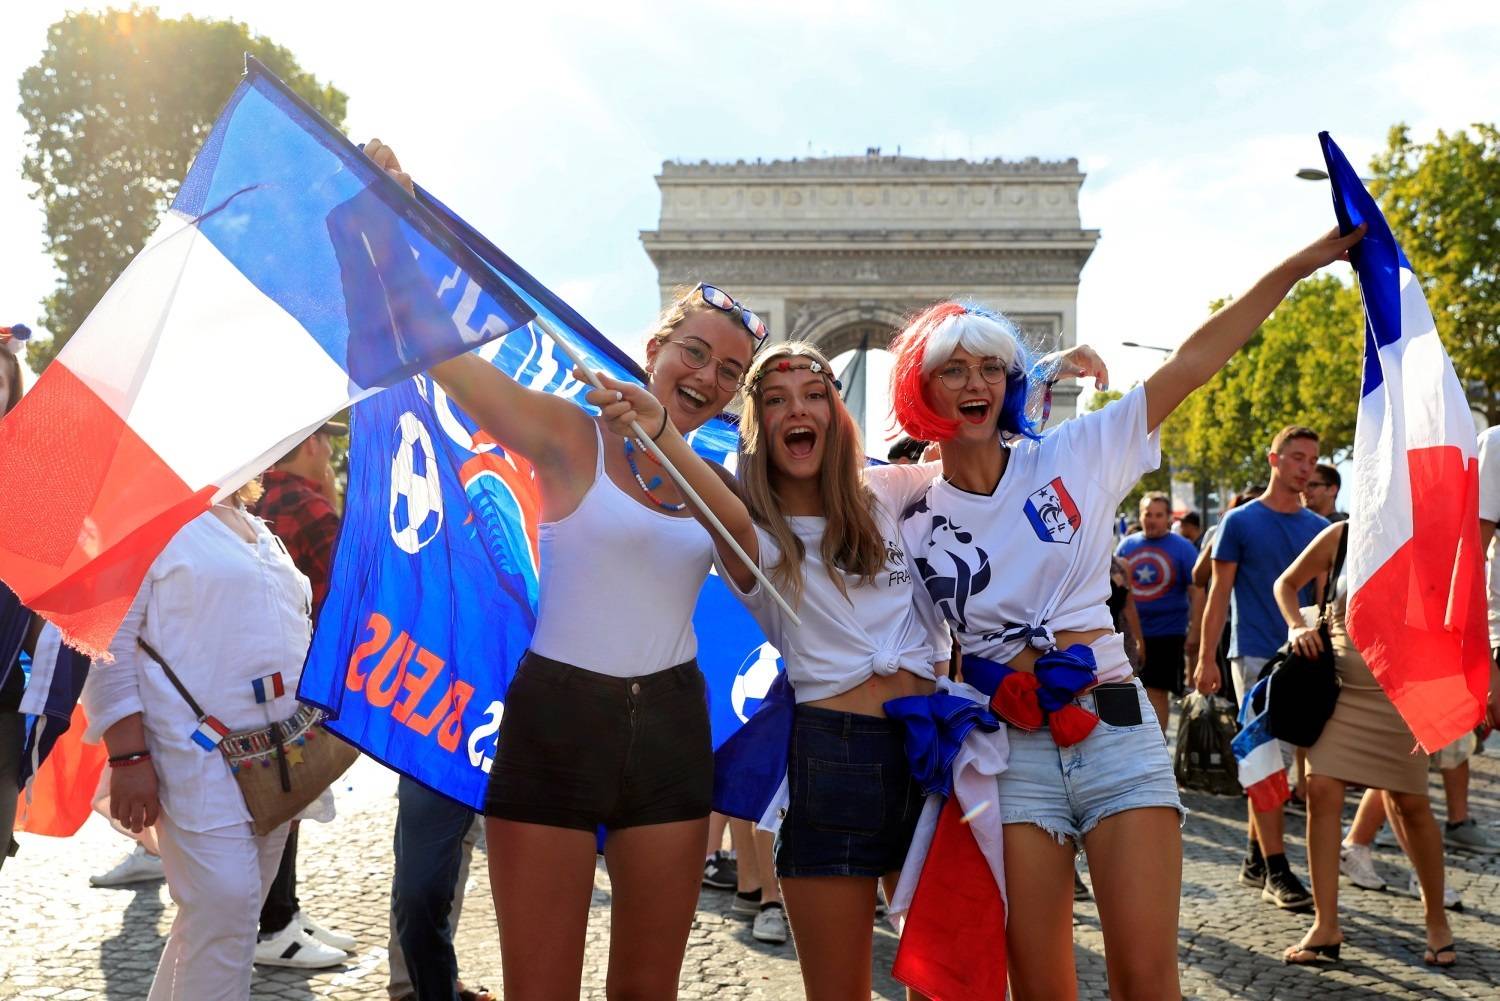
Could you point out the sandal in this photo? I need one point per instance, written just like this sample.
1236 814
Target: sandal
1317 954
1434 957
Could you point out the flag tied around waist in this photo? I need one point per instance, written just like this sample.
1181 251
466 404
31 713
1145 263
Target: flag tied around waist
433 594
951 894
1416 609
289 277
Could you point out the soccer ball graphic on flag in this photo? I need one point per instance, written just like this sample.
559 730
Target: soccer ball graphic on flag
416 491
753 680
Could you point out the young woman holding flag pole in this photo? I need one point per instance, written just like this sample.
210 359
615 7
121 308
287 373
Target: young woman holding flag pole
1087 761
606 723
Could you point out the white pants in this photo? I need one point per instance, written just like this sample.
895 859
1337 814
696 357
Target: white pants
218 879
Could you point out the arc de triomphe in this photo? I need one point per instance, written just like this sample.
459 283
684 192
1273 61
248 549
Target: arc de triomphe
837 249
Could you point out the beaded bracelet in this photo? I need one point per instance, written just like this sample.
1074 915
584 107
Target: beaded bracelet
124 760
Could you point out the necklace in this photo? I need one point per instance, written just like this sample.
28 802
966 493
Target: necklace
647 488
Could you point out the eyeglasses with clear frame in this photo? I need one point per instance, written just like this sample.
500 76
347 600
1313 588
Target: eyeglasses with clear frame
955 374
696 354
719 299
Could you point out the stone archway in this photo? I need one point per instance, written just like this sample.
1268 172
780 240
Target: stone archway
834 250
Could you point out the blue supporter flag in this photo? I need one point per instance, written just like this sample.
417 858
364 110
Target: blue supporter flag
433 593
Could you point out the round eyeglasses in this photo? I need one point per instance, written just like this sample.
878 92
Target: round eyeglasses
695 354
955 374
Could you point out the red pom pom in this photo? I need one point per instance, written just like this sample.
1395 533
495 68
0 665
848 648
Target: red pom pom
1015 700
1071 724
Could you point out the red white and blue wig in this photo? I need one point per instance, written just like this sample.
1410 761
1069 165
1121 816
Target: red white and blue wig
929 340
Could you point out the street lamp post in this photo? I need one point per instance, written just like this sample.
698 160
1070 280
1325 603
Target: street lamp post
1147 347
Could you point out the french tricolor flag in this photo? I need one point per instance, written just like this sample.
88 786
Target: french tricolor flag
289 278
1416 585
1258 754
210 733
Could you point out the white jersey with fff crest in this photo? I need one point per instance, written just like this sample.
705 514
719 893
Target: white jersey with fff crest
1032 558
881 627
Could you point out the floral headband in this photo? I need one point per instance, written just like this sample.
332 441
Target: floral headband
785 365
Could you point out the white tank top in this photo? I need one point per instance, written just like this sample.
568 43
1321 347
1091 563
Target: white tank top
619 583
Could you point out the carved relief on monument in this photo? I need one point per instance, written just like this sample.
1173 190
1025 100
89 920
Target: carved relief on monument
943 268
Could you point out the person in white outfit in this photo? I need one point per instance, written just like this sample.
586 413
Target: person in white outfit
225 608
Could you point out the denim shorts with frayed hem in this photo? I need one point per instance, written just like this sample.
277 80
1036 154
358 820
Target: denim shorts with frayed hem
1067 791
853 803
585 750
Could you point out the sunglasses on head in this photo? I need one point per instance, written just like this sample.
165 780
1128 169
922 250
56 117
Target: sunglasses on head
719 299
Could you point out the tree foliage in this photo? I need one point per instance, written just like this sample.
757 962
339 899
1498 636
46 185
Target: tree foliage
115 109
1442 200
1301 367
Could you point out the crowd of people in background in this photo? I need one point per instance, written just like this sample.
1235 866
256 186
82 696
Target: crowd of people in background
606 729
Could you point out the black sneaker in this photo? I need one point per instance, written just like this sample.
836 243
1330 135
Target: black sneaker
1286 891
720 872
1253 872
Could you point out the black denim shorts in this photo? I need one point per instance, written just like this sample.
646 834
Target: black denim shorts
854 804
585 750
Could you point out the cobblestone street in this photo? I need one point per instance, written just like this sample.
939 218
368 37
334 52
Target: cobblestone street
68 942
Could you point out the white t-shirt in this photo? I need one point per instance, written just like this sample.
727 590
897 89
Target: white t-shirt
881 627
1036 552
1489 510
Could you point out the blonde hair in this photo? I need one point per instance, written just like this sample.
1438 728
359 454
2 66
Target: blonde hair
247 495
686 302
852 542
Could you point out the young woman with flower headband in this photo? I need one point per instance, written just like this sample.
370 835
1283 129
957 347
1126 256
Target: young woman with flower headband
824 525
606 722
1013 544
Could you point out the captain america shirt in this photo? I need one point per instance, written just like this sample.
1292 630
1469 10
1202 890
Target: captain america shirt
1031 559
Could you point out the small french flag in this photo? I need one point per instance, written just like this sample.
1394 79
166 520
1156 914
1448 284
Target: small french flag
268 688
209 733
1258 754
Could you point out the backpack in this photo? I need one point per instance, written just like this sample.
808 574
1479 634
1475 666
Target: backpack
1204 761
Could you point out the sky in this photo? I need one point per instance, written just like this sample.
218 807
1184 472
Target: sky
544 124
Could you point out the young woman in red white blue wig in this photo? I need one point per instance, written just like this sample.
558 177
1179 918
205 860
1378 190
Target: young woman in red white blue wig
1013 545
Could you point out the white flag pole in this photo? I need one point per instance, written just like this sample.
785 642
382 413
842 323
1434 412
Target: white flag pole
682 484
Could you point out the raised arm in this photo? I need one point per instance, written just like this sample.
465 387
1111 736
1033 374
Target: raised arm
548 431
1213 344
622 402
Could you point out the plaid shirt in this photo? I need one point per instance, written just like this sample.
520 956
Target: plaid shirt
305 521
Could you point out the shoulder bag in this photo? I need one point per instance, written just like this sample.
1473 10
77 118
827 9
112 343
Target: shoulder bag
1303 691
280 768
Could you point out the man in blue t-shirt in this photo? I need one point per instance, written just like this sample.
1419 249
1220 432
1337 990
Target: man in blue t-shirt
1256 542
1161 581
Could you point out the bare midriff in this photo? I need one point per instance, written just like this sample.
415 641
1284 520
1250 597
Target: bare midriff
869 697
1025 659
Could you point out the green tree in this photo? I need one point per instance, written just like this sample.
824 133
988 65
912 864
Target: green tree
1300 367
115 109
1442 200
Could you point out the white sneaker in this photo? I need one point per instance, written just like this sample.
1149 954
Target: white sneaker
1452 899
140 866
293 947
335 939
770 925
1358 863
